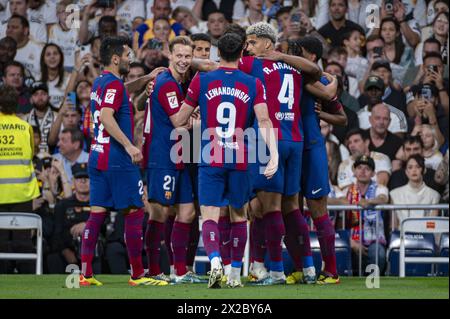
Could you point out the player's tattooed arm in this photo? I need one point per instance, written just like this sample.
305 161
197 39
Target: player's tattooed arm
309 68
204 65
139 83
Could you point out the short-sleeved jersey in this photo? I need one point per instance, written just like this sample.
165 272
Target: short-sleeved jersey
227 98
165 101
283 84
106 152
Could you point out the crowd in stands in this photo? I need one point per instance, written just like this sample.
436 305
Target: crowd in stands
391 62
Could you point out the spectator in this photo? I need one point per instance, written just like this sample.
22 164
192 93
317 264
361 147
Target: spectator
71 150
151 55
358 145
373 90
414 192
144 32
83 92
441 177
8 49
326 130
217 25
431 152
430 45
28 51
334 30
14 78
432 72
69 116
283 18
412 145
339 55
428 111
98 19
42 115
232 9
18 185
161 31
356 64
366 192
253 13
440 32
381 140
71 215
37 28
127 11
63 35
190 23
42 11
395 51
53 74
202 45
391 95
333 154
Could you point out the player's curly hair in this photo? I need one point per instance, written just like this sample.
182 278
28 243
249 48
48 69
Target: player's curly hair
263 30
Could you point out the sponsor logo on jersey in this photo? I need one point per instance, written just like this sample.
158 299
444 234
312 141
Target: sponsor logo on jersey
286 116
172 99
110 95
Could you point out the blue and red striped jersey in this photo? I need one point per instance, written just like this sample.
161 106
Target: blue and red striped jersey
227 98
165 101
284 86
311 122
107 153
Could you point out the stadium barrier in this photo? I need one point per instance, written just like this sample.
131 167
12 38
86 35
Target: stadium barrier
23 221
391 208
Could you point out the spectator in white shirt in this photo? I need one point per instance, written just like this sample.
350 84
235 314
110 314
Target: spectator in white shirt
28 51
430 147
415 192
358 145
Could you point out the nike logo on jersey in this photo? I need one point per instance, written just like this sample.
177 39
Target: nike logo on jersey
314 192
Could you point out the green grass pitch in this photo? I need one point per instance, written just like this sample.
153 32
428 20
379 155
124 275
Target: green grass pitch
116 287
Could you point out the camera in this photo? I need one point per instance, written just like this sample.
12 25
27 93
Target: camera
425 93
378 51
433 68
389 5
47 162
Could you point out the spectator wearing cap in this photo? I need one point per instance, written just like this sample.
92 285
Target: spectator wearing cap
13 77
42 115
358 145
366 192
432 72
391 95
71 150
412 145
374 89
427 110
8 49
71 215
334 30
415 191
28 50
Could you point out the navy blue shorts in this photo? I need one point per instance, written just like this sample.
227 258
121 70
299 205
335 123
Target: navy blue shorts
315 181
221 187
116 189
286 180
169 186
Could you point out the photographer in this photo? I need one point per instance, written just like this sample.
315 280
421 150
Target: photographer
71 215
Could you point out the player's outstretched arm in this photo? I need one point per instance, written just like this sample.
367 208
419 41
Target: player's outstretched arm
307 67
324 92
204 65
268 134
139 83
111 126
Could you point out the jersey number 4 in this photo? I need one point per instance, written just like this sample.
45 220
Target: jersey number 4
286 95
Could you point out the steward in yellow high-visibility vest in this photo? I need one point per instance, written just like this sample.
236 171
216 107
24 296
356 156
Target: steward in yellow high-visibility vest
18 183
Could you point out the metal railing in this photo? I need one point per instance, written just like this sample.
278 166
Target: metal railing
387 207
